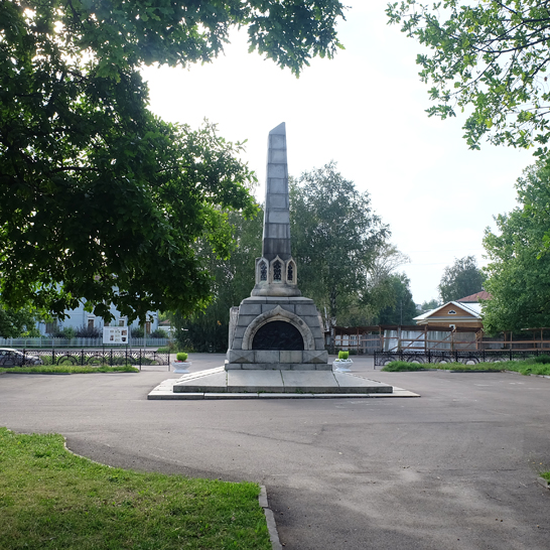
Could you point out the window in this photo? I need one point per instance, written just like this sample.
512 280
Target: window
451 312
263 272
277 271
290 272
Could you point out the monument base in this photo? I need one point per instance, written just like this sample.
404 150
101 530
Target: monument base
277 360
272 384
295 321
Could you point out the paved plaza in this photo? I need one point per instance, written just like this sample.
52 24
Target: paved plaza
453 469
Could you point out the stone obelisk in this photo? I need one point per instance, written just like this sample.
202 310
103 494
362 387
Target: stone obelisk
276 270
276 328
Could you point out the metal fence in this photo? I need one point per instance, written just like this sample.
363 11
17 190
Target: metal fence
382 358
98 357
44 342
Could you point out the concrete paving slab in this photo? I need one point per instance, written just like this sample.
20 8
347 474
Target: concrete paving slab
253 381
216 382
309 379
350 381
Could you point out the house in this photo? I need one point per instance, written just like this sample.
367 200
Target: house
462 313
79 318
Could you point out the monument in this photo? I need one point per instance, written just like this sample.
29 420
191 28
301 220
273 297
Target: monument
276 328
276 344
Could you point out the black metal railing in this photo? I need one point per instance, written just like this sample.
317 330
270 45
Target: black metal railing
98 357
382 358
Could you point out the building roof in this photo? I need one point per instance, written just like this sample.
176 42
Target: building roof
481 295
473 309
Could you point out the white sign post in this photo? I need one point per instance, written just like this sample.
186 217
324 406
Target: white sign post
116 335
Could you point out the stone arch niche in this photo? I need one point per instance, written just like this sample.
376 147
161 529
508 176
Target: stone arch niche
275 317
278 335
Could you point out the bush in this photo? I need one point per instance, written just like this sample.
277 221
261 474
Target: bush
159 333
137 332
87 332
401 366
68 332
181 356
544 359
343 354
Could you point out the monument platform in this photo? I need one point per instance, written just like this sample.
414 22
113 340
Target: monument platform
219 383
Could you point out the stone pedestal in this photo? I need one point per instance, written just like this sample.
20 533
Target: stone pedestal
247 320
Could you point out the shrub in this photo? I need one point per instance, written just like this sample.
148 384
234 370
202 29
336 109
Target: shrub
159 333
343 354
400 366
87 332
544 359
181 356
68 332
137 332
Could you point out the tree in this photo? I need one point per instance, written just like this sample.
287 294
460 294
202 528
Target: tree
402 309
15 323
335 237
490 59
99 199
519 268
461 279
428 306
233 281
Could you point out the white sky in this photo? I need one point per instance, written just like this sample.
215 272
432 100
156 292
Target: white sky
365 110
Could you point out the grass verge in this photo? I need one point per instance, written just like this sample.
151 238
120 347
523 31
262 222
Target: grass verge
68 369
526 367
52 499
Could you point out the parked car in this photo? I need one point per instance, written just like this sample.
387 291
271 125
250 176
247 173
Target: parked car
10 357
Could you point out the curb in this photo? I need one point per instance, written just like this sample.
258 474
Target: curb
262 499
544 482
270 519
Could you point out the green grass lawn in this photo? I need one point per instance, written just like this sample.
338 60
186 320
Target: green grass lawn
52 499
529 366
68 369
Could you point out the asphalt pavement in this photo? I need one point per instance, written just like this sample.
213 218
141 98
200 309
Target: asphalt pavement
456 468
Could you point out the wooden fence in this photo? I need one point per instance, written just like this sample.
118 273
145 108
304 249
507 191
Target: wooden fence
431 339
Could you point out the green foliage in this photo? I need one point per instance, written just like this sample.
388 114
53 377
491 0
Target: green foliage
335 240
402 366
489 58
402 309
533 365
99 199
428 306
461 279
543 359
53 499
66 367
87 332
181 356
137 332
67 332
18 322
343 354
159 333
233 280
519 259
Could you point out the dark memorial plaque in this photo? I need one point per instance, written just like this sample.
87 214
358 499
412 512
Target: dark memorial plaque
278 335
